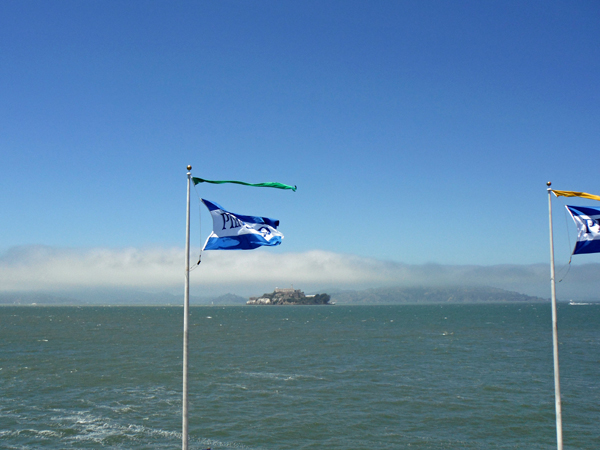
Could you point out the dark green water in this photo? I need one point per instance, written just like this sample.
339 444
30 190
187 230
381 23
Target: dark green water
341 377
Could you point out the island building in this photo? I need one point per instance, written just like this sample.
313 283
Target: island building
289 296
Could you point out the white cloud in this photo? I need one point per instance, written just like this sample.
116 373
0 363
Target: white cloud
46 268
38 268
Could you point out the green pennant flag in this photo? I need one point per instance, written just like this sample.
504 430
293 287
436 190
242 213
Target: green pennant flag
272 185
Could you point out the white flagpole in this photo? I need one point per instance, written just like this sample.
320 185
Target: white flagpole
186 312
557 401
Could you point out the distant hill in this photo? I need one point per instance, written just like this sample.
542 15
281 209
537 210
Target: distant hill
431 295
367 297
114 297
35 298
227 299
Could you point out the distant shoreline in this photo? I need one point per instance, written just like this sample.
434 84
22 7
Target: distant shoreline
342 305
375 296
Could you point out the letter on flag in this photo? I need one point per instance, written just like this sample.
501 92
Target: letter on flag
237 232
588 229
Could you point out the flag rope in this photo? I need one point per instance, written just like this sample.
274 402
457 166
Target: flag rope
199 226
568 264
568 236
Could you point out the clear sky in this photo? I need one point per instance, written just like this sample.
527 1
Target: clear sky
417 132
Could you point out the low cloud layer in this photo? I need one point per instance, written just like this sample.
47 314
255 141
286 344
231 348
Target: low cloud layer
38 268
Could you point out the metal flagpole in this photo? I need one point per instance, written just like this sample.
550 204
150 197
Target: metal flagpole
557 401
186 312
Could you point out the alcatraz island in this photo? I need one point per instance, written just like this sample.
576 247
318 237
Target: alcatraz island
289 297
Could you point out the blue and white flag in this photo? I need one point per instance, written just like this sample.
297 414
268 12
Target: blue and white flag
237 232
588 229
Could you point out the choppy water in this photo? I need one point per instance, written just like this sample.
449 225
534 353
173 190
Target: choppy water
367 377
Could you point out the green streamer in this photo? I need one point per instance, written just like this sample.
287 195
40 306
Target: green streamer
271 185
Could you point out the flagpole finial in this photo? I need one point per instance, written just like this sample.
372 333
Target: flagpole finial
549 183
189 167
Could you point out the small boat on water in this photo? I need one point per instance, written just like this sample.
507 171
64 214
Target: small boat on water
573 303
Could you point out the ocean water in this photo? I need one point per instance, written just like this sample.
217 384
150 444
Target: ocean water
332 377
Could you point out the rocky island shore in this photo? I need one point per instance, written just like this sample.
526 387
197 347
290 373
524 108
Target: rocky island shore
289 297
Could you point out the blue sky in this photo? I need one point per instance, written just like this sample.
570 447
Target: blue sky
417 132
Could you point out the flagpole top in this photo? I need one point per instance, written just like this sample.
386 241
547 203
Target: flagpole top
189 167
549 183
